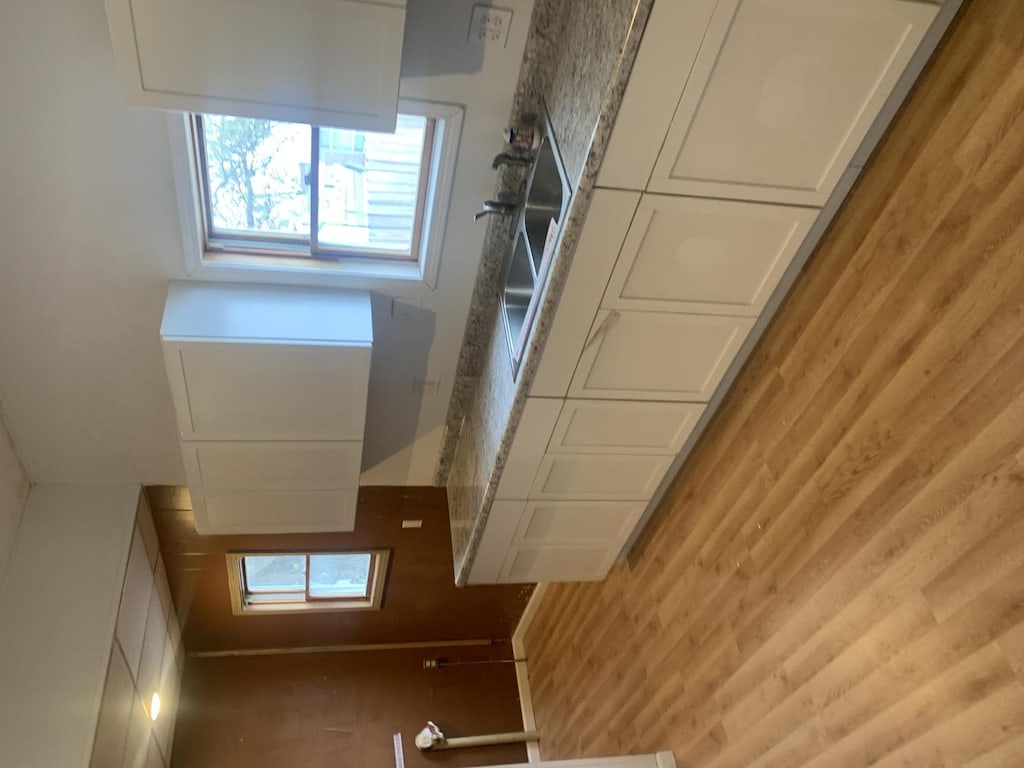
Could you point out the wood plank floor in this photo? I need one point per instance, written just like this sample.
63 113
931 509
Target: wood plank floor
837 576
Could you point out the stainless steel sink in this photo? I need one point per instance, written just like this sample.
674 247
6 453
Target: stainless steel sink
545 200
517 293
547 196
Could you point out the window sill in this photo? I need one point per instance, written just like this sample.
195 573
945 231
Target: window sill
218 266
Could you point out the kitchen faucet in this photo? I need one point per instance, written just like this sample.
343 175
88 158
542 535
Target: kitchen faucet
503 207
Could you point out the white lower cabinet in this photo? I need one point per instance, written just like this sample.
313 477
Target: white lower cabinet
624 427
534 541
599 476
566 523
577 479
781 94
715 257
535 564
657 355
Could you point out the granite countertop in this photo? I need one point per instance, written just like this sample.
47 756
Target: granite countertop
578 58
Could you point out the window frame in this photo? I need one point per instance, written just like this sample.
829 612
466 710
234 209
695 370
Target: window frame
337 270
241 605
261 244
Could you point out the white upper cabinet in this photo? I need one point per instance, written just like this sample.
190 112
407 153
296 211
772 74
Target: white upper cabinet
687 254
328 62
267 363
269 386
781 94
657 355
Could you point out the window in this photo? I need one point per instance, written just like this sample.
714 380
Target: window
315 201
271 582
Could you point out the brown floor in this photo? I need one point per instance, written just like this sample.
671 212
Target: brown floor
837 577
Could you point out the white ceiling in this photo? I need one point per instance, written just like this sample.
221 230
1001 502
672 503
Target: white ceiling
90 240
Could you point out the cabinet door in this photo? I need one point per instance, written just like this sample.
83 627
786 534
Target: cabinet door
657 355
502 522
719 257
577 522
599 477
272 465
781 94
328 62
294 511
606 226
534 564
225 391
609 426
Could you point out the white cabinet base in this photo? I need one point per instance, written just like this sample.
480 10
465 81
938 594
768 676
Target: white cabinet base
291 511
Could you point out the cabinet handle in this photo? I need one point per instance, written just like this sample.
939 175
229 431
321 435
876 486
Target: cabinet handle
606 325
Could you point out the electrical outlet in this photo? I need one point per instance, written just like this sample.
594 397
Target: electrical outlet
489 25
412 523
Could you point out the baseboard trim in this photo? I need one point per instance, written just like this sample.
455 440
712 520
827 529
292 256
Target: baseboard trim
522 672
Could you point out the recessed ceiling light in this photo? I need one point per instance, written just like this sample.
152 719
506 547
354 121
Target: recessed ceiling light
154 706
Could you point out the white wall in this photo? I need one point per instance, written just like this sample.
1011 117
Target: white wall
91 240
13 492
58 604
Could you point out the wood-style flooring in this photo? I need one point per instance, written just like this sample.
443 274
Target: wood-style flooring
837 576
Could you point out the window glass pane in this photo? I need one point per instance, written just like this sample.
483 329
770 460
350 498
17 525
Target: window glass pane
275 573
339 575
258 175
370 186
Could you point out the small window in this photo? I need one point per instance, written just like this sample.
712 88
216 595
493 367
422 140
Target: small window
270 582
311 204
295 190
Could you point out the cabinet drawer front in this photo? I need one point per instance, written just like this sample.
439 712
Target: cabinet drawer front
527 565
273 465
658 355
274 511
781 94
268 391
577 522
607 426
612 478
707 256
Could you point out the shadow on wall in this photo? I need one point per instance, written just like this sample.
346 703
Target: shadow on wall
433 26
403 334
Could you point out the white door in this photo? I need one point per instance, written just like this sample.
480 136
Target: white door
720 257
612 426
781 94
658 355
329 62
